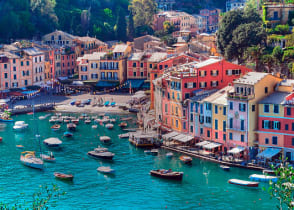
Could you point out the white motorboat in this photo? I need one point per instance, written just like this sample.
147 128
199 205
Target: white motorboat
169 154
101 152
124 135
109 126
112 120
71 126
20 125
105 139
52 142
94 126
87 121
44 117
29 159
263 178
48 158
106 170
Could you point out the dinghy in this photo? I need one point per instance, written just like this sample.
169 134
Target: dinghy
243 183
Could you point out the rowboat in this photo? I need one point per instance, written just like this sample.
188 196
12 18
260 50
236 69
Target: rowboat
94 126
87 121
186 159
126 118
112 103
67 134
224 167
154 152
123 124
109 126
243 183
167 174
19 146
55 127
263 178
271 172
62 176
106 170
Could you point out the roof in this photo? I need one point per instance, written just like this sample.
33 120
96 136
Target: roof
157 57
202 94
8 55
93 56
70 36
32 51
251 78
90 39
120 48
136 56
275 98
220 97
207 62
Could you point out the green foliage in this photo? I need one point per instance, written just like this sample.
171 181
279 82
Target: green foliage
288 55
143 12
283 189
290 40
121 26
282 29
42 199
278 54
131 27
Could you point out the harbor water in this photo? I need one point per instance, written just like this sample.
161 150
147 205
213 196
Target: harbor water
204 186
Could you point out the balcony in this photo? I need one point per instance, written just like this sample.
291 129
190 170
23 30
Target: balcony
239 96
109 78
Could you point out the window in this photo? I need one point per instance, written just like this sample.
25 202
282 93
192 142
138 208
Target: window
5 66
177 123
28 63
231 105
191 117
242 107
21 63
150 66
277 125
201 130
142 65
134 64
266 124
216 124
216 135
14 76
5 75
266 90
266 108
14 68
231 136
292 141
184 125
215 109
292 126
184 113
225 110
288 111
6 84
134 73
26 82
242 138
242 125
286 127
14 60
253 108
208 106
231 122
165 107
142 74
276 109
191 129
275 140
208 133
187 95
201 108
266 141
224 126
224 137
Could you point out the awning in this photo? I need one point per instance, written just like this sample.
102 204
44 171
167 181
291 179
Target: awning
106 84
135 83
269 153
202 143
211 145
146 85
182 138
169 135
236 150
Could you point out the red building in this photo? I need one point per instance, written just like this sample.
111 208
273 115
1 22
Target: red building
137 66
68 61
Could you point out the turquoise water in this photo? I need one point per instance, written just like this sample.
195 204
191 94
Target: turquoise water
204 185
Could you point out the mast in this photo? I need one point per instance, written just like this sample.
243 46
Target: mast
37 130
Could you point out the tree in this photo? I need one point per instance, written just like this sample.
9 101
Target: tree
168 27
282 29
238 31
254 53
121 26
143 12
131 28
278 54
268 60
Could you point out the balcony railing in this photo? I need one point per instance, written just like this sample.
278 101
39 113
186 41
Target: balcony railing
239 96
109 78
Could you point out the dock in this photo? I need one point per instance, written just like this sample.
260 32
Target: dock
211 159
29 108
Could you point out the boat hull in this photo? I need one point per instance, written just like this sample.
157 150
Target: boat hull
140 145
63 177
100 156
176 176
243 183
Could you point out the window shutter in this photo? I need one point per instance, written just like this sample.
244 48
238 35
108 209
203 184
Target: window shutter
186 85
216 72
279 125
205 73
211 72
239 107
227 71
263 124
270 124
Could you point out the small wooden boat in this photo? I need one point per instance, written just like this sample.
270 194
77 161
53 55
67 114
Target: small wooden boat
105 139
48 158
94 126
55 127
147 152
6 119
112 120
243 183
87 121
73 102
77 103
62 176
186 159
106 170
52 142
124 135
167 174
71 126
126 118
109 126
169 155
30 113
224 167
263 178
67 134
19 146
123 124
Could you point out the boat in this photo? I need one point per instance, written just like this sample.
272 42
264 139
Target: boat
167 174
112 103
67 134
19 146
52 142
243 183
48 158
270 172
126 118
133 110
73 102
1 139
87 121
66 120
5 117
169 155
44 117
112 120
224 167
53 119
154 152
142 140
94 126
186 159
75 121
263 178
64 177
20 125
106 103
101 152
124 135
30 113
147 152
109 126
106 170
105 139
77 103
71 126
29 159
55 127
123 124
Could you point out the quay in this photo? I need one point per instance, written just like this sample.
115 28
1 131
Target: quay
211 159
29 108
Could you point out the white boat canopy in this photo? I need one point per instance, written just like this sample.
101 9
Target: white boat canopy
211 145
169 135
182 138
53 141
236 150
269 153
202 143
